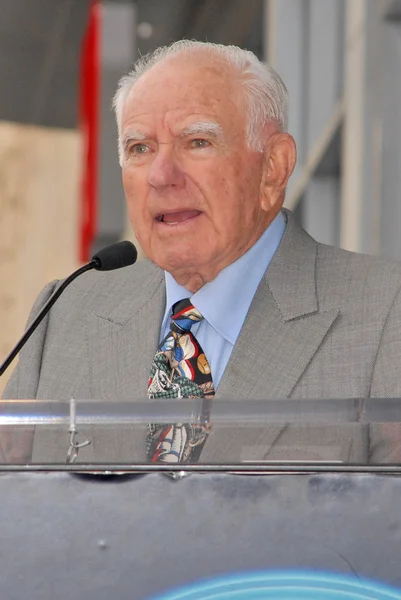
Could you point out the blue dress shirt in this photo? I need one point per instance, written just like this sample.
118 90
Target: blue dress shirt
225 301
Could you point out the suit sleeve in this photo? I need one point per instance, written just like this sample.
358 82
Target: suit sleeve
385 438
24 380
386 376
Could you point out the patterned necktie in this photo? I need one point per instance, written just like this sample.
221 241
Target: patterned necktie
180 370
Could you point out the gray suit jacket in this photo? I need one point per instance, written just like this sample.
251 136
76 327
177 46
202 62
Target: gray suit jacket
324 323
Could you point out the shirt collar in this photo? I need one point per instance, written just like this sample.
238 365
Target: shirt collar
225 301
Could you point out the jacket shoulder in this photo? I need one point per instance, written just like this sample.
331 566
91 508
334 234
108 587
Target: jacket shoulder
357 266
361 280
110 287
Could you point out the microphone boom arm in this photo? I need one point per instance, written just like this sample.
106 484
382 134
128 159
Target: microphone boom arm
43 312
121 254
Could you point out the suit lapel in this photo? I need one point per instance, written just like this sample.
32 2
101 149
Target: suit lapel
284 327
123 340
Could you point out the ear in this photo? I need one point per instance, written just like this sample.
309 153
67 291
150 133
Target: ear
280 156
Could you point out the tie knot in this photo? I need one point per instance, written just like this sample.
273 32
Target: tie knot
184 316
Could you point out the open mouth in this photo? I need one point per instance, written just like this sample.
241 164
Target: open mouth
174 218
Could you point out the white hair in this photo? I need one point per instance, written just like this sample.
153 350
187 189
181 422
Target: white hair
265 92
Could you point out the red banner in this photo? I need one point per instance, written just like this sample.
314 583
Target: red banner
89 123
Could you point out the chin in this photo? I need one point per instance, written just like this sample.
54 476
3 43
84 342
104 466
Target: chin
178 260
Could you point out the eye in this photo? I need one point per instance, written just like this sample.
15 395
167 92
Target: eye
138 149
200 143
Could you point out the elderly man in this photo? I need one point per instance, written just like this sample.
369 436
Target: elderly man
263 310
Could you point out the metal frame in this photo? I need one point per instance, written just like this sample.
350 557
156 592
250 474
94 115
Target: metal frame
341 60
249 469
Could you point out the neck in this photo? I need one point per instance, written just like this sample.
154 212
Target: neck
193 279
193 282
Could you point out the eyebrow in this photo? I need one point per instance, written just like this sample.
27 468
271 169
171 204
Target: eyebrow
133 135
199 128
203 128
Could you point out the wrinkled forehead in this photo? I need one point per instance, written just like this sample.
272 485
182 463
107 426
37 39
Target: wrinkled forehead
189 79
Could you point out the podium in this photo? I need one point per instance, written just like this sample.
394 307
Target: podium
289 499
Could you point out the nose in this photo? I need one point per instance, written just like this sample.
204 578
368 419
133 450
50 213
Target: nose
165 170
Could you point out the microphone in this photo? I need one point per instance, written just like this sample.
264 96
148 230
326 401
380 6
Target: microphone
112 257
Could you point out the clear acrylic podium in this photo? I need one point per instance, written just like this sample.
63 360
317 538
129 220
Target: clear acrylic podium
290 499
347 434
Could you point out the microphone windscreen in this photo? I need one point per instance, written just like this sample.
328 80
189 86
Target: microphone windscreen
115 256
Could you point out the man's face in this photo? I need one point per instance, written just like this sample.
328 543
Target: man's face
192 184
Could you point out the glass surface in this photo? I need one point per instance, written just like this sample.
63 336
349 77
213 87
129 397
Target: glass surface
249 435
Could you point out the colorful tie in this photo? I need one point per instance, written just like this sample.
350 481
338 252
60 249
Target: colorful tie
180 370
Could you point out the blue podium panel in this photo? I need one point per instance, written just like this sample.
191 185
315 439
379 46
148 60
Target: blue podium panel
137 537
